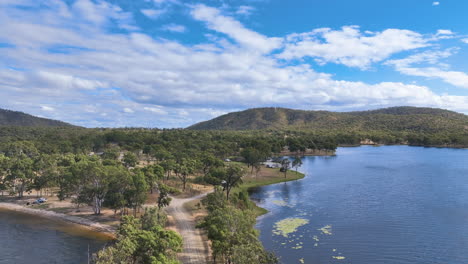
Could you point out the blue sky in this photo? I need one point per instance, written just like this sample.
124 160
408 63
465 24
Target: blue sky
172 63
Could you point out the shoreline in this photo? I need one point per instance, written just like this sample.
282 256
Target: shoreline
105 230
401 144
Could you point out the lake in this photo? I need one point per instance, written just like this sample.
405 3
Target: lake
28 239
370 205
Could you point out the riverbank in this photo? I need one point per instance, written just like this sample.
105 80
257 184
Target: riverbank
76 223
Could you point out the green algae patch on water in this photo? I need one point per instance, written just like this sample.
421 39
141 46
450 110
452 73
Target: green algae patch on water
288 226
338 257
326 230
279 203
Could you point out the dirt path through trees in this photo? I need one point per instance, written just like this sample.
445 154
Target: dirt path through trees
196 250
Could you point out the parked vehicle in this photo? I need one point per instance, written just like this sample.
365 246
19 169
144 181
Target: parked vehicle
40 200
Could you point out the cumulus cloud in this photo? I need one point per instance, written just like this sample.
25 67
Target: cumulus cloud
174 28
435 70
47 108
216 21
156 110
435 3
465 40
245 10
349 46
100 78
153 13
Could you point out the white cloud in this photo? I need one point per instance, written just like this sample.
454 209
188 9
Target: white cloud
435 70
444 32
156 110
128 110
153 13
174 28
349 46
465 40
435 3
245 10
47 108
234 29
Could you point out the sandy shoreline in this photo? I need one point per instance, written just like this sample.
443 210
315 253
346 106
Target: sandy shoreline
83 223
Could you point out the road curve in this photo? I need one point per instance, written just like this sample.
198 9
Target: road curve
195 250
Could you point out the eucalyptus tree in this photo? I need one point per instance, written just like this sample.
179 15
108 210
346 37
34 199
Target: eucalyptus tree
93 184
120 181
168 165
21 173
297 162
153 173
4 170
285 165
187 167
233 178
130 159
228 177
142 241
137 192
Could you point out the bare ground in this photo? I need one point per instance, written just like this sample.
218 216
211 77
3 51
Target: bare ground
196 249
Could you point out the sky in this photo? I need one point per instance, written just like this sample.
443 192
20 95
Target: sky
173 63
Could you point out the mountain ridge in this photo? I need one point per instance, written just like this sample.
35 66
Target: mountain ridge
402 118
21 119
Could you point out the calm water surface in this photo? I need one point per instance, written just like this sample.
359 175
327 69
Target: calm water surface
28 239
392 204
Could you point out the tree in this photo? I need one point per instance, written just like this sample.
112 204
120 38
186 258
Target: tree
142 241
163 198
251 156
94 179
168 166
4 170
21 173
119 182
233 178
186 168
153 173
234 240
129 159
285 165
297 162
209 161
229 177
138 192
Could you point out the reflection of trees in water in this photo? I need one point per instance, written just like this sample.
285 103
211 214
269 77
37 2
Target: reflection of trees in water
285 191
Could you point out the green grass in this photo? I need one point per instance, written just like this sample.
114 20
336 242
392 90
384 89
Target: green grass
253 183
249 183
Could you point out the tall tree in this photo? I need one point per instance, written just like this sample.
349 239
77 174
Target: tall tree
285 165
297 162
129 159
138 192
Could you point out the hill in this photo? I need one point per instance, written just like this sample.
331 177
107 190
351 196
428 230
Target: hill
408 119
14 118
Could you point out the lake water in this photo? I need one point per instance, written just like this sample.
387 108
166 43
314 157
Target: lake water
392 204
26 239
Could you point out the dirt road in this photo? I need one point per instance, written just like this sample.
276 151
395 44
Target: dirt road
195 248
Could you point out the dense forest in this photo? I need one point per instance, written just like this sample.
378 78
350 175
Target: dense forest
396 125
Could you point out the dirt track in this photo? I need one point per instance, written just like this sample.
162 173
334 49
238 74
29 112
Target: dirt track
195 248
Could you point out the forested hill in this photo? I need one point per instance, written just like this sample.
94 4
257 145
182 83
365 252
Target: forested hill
13 118
410 119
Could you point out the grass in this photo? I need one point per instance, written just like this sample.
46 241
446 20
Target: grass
250 183
266 176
